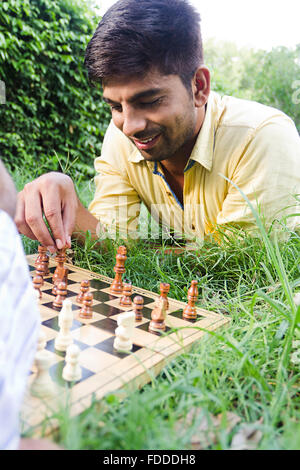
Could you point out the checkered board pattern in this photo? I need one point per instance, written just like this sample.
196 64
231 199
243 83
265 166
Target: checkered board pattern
105 370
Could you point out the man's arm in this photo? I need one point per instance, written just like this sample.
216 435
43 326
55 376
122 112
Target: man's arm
53 195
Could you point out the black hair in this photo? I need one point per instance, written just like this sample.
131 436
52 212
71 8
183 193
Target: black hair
135 36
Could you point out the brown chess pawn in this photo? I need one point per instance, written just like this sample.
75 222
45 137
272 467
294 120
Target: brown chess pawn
86 310
84 287
44 261
61 295
164 290
37 282
138 303
158 316
42 250
190 312
125 300
117 284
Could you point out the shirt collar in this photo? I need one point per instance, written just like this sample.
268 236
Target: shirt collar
205 143
204 146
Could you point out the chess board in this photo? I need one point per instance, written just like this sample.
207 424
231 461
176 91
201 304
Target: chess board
105 370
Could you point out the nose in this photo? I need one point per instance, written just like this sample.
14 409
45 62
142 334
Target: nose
133 122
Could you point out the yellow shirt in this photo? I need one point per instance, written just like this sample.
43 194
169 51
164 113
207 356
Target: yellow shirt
254 146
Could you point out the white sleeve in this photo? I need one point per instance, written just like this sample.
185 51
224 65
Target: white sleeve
19 326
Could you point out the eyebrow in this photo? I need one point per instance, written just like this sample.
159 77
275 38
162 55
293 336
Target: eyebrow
142 94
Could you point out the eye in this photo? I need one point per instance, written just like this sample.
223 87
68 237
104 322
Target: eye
116 108
153 103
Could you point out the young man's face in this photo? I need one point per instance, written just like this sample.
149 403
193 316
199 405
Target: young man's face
157 113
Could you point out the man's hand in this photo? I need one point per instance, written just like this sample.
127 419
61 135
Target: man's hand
52 195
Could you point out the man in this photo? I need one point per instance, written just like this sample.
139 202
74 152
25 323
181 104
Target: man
189 155
19 324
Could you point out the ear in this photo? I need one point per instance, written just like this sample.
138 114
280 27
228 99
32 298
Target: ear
201 86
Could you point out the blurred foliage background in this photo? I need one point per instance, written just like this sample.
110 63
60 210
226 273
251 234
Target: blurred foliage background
54 120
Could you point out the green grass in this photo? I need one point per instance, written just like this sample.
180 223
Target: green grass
244 369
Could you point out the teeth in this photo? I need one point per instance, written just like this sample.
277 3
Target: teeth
146 141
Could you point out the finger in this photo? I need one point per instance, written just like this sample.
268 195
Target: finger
34 217
52 206
69 219
20 221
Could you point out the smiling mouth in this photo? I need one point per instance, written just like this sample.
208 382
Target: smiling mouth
146 144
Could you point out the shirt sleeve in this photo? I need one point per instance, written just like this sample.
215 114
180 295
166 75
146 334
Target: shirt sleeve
116 203
266 173
20 322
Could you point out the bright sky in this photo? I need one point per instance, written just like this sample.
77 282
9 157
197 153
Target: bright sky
261 24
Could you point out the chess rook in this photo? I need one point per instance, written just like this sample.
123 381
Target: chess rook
117 284
190 312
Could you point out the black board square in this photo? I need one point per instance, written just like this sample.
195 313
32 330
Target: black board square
147 300
103 296
53 324
107 324
51 347
69 293
56 374
178 314
97 284
106 310
50 305
145 327
108 347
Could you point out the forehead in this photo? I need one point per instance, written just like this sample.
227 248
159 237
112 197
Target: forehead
127 88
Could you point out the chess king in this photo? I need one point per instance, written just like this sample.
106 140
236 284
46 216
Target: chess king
190 155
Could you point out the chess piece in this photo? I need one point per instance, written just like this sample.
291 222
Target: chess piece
158 316
84 287
42 252
125 300
164 290
61 293
138 303
45 263
65 320
124 332
60 273
41 340
190 312
86 310
37 282
72 370
42 386
117 285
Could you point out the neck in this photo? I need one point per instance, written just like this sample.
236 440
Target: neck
177 163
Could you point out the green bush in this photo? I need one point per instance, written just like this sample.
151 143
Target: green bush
52 118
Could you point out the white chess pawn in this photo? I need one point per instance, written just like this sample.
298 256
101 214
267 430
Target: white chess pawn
72 370
65 320
124 332
41 340
42 386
